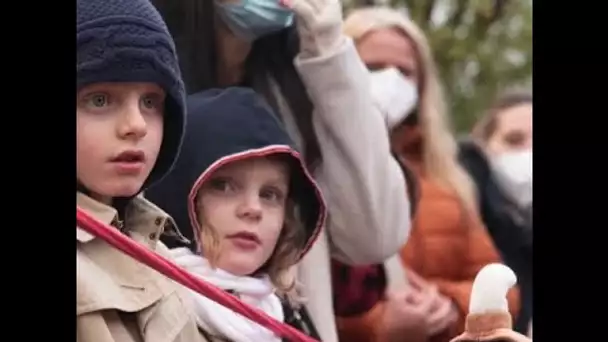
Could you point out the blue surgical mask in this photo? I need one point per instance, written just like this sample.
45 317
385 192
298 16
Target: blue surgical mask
251 19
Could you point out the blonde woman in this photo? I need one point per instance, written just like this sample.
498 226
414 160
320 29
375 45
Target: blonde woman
448 244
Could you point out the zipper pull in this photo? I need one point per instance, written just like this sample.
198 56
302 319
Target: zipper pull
301 322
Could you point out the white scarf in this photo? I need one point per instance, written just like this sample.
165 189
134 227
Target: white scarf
220 321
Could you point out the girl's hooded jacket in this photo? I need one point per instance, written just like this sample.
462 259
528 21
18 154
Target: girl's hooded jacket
226 126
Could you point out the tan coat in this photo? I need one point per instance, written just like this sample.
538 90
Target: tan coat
119 299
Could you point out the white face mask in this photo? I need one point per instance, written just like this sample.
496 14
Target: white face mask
395 95
514 175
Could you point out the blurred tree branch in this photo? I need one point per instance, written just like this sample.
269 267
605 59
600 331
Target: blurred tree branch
427 12
457 14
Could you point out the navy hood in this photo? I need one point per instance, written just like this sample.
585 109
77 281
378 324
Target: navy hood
227 125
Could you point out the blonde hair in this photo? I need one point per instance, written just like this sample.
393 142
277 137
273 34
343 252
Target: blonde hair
286 253
440 148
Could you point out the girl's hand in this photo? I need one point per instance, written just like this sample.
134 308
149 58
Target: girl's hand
319 24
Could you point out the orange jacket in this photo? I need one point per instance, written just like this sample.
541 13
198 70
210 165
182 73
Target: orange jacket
446 247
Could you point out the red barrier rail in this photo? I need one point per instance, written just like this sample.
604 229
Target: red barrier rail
163 265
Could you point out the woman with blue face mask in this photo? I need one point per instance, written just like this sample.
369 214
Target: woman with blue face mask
293 53
499 159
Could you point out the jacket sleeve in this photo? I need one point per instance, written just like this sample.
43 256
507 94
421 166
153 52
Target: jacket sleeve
363 184
366 327
481 252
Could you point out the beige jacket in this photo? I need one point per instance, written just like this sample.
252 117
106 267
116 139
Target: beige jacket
369 218
119 299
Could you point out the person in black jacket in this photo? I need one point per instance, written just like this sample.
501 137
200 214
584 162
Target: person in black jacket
498 156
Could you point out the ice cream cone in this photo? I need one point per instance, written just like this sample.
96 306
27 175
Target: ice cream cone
489 319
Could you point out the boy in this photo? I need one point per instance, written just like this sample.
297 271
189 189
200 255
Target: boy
130 120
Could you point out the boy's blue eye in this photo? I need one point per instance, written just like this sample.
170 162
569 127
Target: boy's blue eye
98 100
152 101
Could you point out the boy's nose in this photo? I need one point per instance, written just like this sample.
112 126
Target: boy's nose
132 124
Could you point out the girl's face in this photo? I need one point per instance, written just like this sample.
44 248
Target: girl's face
119 131
244 204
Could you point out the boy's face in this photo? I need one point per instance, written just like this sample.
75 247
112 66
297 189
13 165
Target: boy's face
119 133
244 204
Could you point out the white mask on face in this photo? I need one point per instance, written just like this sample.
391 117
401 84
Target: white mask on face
395 95
514 175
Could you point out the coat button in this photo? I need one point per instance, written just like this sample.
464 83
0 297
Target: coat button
158 221
153 236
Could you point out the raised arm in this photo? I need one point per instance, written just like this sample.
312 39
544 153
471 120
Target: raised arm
369 217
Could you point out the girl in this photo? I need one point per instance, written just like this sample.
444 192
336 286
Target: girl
242 189
130 118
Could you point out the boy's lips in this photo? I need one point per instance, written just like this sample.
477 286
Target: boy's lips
129 162
130 156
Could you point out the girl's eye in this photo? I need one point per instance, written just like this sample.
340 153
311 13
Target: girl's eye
272 194
98 100
221 185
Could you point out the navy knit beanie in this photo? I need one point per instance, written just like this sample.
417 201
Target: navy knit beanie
128 41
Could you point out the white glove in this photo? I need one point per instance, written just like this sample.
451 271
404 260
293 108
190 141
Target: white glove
395 95
319 24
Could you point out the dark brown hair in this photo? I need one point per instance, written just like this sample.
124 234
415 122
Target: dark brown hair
192 25
485 128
